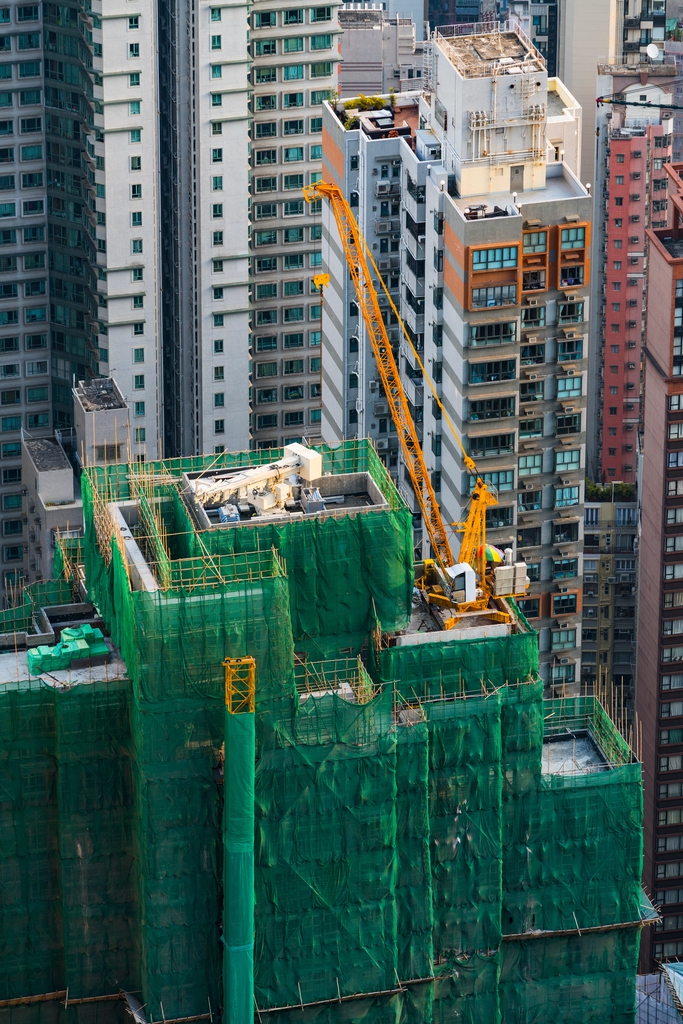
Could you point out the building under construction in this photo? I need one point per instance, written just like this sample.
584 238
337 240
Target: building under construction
273 788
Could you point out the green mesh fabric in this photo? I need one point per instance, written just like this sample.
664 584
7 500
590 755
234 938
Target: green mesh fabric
402 841
238 867
68 907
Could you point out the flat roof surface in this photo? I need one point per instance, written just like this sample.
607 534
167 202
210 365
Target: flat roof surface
477 55
673 246
14 669
101 393
557 187
577 754
46 454
556 105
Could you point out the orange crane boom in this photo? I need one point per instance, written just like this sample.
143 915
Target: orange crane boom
354 251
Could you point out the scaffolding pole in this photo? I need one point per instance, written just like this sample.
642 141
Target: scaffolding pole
238 842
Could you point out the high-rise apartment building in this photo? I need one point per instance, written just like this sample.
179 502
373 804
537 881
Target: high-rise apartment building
128 203
484 230
125 234
203 96
175 159
295 69
659 691
539 22
633 147
50 125
608 635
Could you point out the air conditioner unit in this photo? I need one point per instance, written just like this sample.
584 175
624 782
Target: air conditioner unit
564 625
567 408
611 579
384 264
382 444
529 487
564 590
375 172
381 408
625 577
532 302
383 226
373 385
383 187
570 373
420 239
564 661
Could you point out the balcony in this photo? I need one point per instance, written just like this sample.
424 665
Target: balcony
414 389
415 283
415 244
415 321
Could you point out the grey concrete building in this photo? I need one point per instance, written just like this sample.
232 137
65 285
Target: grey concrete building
50 125
379 52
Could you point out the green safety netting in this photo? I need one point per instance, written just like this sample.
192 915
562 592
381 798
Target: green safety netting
399 838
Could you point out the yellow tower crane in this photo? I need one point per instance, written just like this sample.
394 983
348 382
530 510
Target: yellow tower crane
473 547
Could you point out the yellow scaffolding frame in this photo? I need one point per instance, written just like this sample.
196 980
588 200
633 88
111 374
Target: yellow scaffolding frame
240 685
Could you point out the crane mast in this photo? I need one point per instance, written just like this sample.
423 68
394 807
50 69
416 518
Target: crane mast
354 251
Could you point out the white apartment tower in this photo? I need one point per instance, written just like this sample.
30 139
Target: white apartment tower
175 82
468 199
295 70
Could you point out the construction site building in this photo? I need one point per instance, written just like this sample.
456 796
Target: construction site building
468 199
245 778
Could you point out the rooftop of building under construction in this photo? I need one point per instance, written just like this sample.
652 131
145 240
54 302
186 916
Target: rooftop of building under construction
452 836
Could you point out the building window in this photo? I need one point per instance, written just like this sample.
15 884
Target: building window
574 238
567 461
564 604
566 496
493 371
494 259
563 639
568 387
500 295
530 465
493 445
292 72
